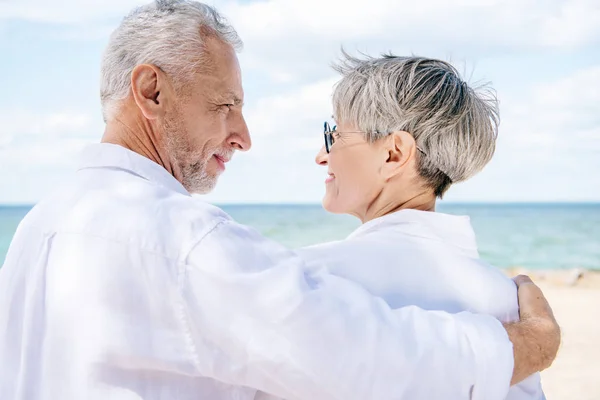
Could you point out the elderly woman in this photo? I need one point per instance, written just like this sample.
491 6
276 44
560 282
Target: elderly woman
407 129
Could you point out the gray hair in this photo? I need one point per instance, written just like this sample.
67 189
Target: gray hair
454 126
165 33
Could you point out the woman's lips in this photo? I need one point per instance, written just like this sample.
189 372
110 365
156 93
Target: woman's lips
330 178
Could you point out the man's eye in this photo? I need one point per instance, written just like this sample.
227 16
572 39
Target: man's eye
223 108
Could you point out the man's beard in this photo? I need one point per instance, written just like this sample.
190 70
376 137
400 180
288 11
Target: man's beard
192 164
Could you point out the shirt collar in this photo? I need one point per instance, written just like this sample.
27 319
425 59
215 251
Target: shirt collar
106 155
455 230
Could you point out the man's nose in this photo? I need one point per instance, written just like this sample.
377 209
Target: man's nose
322 156
240 138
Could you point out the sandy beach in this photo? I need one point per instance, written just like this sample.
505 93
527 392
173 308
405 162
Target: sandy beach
575 298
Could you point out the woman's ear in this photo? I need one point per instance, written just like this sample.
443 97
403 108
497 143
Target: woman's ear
400 148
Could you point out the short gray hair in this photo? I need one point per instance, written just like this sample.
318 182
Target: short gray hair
166 33
454 125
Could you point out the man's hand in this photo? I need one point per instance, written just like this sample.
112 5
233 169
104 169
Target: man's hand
536 337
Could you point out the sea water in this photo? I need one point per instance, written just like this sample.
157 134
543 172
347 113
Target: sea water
533 236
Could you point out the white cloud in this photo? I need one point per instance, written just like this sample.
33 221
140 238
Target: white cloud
280 25
66 11
563 113
43 153
574 100
548 146
24 125
37 150
481 22
574 23
303 107
34 166
550 132
304 36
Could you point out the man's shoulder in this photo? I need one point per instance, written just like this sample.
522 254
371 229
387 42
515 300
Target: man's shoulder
172 224
139 215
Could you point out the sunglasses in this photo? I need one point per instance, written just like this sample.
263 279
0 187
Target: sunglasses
329 133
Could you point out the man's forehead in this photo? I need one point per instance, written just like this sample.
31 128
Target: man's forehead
236 96
221 75
228 96
221 89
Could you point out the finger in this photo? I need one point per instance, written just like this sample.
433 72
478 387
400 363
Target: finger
532 302
522 279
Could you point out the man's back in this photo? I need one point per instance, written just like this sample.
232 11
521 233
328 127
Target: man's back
89 308
429 260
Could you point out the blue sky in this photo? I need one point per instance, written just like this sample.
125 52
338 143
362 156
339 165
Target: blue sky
542 57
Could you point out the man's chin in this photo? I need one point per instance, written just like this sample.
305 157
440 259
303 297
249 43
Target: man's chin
201 186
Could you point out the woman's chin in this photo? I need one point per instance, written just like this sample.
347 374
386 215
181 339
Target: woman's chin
331 206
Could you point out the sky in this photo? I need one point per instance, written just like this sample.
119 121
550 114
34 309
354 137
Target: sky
542 58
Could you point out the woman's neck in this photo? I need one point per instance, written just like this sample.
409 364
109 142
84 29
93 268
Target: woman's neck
384 205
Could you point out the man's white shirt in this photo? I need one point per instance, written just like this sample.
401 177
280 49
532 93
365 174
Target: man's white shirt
121 285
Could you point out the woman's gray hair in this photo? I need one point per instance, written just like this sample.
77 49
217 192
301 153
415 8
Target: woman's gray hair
165 33
453 124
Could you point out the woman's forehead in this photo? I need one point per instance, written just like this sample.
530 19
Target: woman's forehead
343 124
346 126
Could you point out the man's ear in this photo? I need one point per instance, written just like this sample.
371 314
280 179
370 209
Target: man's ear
150 87
400 148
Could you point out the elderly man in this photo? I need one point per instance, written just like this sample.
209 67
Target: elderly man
122 286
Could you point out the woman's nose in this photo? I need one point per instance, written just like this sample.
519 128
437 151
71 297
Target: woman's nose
322 156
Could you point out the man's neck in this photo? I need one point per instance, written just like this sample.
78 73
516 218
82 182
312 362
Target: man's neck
139 137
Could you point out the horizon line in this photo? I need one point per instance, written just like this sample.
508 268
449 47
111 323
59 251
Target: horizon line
286 203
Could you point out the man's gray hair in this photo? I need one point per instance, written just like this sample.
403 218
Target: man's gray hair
454 125
166 33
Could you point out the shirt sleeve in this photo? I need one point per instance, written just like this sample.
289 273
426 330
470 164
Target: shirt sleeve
256 316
